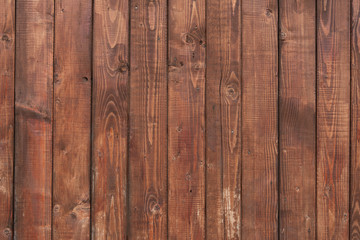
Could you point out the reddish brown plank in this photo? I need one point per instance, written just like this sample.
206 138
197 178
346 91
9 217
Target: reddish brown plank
148 121
33 121
110 119
7 64
223 120
297 109
355 122
72 119
333 118
186 122
259 119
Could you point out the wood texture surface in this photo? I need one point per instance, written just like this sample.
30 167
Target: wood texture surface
7 71
223 120
148 121
260 119
33 119
110 119
355 122
186 120
297 109
333 119
72 120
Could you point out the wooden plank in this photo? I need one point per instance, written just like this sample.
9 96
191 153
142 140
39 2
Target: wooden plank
355 123
333 120
72 119
148 121
259 119
223 120
7 64
297 110
110 119
186 122
33 121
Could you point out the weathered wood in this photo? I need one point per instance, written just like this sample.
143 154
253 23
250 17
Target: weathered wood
259 119
333 120
148 121
223 120
110 119
72 119
355 122
186 122
7 64
297 109
33 120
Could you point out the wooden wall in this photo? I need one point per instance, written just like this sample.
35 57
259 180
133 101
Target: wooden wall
180 119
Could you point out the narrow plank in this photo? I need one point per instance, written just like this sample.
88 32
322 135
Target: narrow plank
110 119
297 110
7 64
33 120
333 119
186 121
72 119
148 120
223 120
355 122
259 119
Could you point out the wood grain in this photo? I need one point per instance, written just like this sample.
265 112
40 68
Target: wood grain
186 121
148 121
259 119
110 119
33 119
297 109
355 122
223 120
72 119
333 119
7 70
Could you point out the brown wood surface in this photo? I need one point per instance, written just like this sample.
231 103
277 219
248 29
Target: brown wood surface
333 119
186 119
7 70
148 121
110 119
223 120
355 122
297 109
33 119
260 119
72 120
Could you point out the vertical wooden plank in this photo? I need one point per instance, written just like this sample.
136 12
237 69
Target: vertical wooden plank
72 119
259 119
333 122
186 122
148 121
297 110
223 120
110 119
33 121
355 122
7 64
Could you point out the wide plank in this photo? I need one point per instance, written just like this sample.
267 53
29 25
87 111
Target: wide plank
297 110
72 119
148 120
186 120
110 102
223 120
33 119
7 68
260 119
333 119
